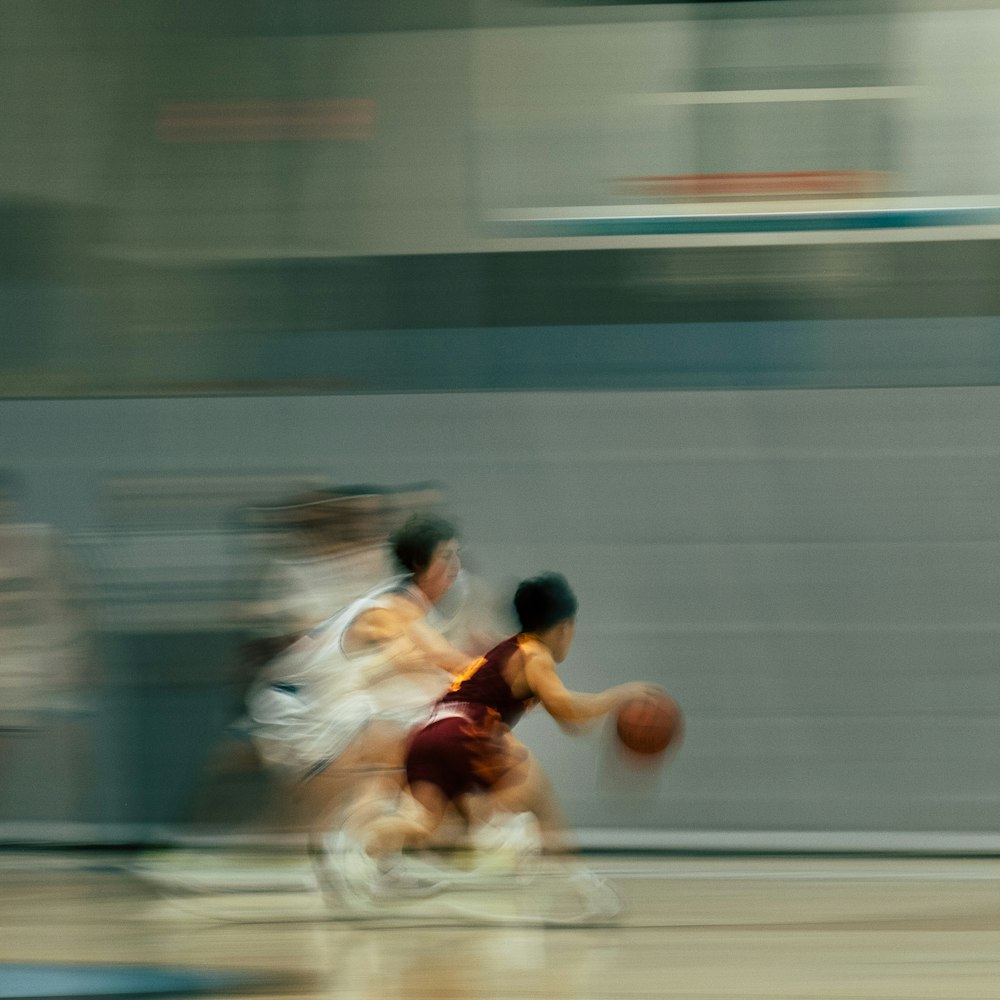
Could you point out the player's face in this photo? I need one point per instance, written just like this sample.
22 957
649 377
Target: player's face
567 630
441 572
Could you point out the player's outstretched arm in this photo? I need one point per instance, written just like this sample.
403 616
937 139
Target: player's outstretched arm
573 707
437 649
411 645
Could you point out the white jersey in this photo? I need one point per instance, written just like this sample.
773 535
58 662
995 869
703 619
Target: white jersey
314 699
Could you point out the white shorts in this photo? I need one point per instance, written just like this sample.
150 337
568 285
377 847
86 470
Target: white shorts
295 734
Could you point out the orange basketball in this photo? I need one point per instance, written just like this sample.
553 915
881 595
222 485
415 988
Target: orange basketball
649 725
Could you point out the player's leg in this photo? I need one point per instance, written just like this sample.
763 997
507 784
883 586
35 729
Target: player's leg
437 771
365 862
419 813
361 782
516 784
369 846
361 786
530 790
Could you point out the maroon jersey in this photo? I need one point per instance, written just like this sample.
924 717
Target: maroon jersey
484 690
464 745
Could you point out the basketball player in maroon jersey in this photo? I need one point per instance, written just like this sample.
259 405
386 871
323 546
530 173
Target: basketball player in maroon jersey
466 748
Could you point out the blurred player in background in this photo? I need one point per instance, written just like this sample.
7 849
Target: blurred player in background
46 668
333 712
326 547
332 549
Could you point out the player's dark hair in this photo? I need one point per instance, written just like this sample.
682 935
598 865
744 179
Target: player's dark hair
544 601
414 543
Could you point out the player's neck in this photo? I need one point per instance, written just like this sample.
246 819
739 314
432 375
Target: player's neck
535 637
418 594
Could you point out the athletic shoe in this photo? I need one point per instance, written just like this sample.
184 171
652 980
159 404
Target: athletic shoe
602 900
508 844
360 880
395 878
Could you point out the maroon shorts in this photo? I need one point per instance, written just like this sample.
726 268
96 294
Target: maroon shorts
460 756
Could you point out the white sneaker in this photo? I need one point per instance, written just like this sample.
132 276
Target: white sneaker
396 879
508 844
360 880
601 898
346 868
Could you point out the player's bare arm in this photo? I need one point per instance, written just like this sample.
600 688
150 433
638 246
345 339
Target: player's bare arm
414 645
566 706
437 649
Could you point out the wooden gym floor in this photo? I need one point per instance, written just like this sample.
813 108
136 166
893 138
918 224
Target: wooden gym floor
754 928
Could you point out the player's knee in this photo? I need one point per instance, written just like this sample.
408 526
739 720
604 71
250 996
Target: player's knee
424 807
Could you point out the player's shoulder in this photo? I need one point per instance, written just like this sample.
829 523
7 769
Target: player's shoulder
400 606
534 652
384 601
375 618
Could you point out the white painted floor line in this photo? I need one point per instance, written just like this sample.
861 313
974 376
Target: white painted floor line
752 875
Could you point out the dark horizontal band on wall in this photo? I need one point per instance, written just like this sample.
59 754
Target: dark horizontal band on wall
788 354
569 287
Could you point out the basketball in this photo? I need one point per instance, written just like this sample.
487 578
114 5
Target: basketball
648 726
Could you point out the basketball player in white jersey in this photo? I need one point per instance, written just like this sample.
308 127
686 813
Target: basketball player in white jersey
333 711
